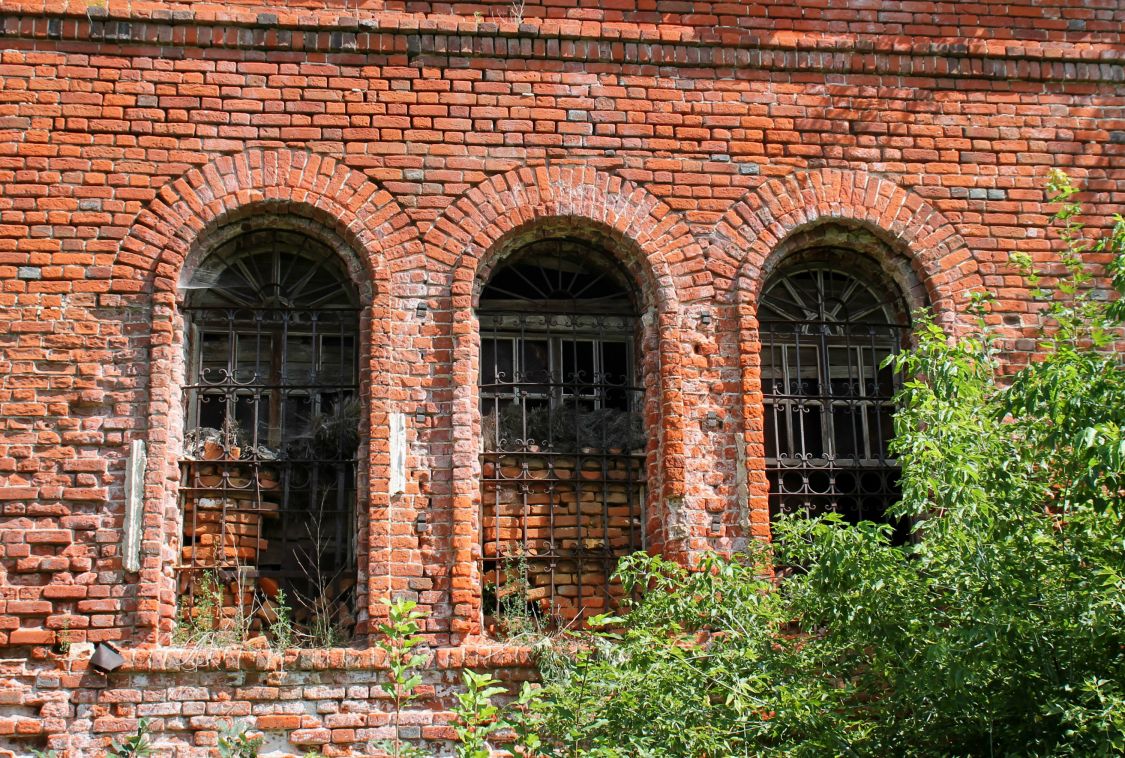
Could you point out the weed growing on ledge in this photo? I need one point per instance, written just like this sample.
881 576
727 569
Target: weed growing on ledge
518 617
281 632
210 623
401 635
201 624
136 745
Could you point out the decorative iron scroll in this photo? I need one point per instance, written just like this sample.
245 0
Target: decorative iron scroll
563 441
828 401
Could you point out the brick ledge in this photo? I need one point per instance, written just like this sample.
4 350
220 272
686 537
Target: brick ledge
476 654
65 20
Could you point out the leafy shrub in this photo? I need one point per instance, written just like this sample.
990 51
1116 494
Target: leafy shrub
477 716
998 630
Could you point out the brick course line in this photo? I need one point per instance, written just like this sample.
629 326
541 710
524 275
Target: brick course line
437 46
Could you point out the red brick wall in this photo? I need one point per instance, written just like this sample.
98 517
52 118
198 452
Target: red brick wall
1047 21
693 140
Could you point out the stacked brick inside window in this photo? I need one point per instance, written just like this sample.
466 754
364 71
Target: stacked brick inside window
563 438
421 147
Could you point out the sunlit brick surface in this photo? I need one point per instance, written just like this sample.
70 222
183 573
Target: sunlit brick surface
421 142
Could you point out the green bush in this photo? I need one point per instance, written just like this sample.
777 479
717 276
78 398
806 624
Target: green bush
998 630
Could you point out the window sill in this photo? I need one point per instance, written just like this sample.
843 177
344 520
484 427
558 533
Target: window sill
477 653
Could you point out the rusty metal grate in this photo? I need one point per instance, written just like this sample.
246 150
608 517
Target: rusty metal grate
272 414
563 442
828 403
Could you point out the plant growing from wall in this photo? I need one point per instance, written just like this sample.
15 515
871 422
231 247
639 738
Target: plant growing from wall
235 740
513 12
136 745
207 622
330 435
517 616
324 618
281 632
401 638
232 436
478 717
200 623
62 638
523 717
323 607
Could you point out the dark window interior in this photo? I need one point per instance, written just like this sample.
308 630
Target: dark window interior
826 330
272 420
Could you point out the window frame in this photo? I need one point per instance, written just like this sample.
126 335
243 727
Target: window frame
253 498
531 480
825 474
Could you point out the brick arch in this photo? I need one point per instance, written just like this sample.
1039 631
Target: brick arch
164 234
758 225
653 242
312 193
472 226
758 231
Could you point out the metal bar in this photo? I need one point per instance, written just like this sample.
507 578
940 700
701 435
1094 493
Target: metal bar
562 410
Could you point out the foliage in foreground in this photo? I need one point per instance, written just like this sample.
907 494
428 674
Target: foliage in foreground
998 630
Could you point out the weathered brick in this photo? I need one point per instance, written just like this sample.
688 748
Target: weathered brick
134 138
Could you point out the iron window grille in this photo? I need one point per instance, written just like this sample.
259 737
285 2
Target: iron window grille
271 409
563 444
829 406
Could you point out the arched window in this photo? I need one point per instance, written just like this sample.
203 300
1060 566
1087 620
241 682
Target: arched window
828 321
563 443
272 419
